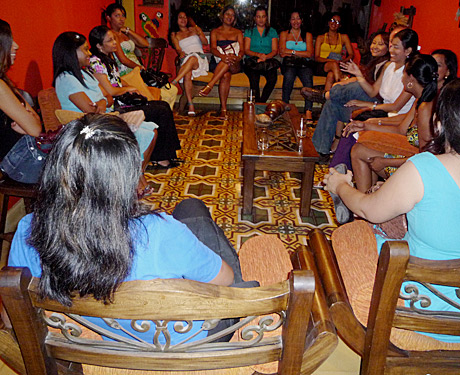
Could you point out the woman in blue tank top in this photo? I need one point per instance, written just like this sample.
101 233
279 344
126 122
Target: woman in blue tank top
297 52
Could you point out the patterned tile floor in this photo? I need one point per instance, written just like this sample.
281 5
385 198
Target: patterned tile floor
212 172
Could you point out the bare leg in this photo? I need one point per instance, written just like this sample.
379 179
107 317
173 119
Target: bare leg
188 85
364 176
224 89
329 81
142 181
221 69
332 67
187 67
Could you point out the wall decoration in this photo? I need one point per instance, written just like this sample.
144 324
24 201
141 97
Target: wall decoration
153 2
150 26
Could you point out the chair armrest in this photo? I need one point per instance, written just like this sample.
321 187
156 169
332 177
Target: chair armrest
351 331
321 337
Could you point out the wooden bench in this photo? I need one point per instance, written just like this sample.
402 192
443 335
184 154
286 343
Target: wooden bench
239 86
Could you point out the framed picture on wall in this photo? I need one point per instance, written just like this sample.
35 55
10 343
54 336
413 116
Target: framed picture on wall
153 2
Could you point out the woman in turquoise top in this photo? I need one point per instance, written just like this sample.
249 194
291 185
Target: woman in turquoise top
296 52
260 46
427 189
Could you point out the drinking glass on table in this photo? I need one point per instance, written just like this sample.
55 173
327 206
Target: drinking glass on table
302 132
263 140
250 96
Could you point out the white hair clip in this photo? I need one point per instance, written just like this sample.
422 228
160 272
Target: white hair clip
88 132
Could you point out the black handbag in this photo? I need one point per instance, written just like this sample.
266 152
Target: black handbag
130 99
269 64
297 62
154 79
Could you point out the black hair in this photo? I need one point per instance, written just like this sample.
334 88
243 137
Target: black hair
65 55
6 42
448 114
451 61
174 26
107 12
409 39
425 70
261 8
303 30
368 69
96 36
85 208
224 10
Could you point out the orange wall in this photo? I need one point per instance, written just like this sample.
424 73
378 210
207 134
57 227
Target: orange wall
170 54
434 22
35 25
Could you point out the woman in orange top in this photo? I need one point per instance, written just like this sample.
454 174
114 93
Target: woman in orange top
328 51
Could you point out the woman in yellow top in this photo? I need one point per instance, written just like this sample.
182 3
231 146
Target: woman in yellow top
328 51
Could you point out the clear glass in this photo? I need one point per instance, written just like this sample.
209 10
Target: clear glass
302 132
263 140
250 98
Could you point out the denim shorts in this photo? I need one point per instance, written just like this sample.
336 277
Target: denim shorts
24 161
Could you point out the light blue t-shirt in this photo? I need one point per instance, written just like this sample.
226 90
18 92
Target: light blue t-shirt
67 84
433 227
163 248
261 44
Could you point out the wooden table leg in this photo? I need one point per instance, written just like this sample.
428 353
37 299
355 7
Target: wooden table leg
248 185
306 188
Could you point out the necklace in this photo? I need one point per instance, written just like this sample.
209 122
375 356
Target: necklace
296 37
329 40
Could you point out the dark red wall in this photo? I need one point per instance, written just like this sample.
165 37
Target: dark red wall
434 22
35 25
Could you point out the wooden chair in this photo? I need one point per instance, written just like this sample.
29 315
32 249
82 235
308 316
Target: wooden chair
44 351
49 102
10 188
415 353
153 55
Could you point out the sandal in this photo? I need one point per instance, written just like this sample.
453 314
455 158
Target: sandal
205 91
223 115
191 113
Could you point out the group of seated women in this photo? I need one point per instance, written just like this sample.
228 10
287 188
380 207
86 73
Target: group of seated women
89 232
387 113
88 81
258 47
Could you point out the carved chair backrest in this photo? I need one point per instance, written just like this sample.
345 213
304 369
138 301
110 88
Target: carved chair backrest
153 55
49 102
148 304
396 266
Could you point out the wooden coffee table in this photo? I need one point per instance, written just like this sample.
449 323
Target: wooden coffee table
283 155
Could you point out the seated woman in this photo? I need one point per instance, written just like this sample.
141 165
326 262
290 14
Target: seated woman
388 85
126 39
89 232
328 51
447 70
413 133
78 90
104 68
297 53
426 189
188 40
20 158
260 47
227 49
